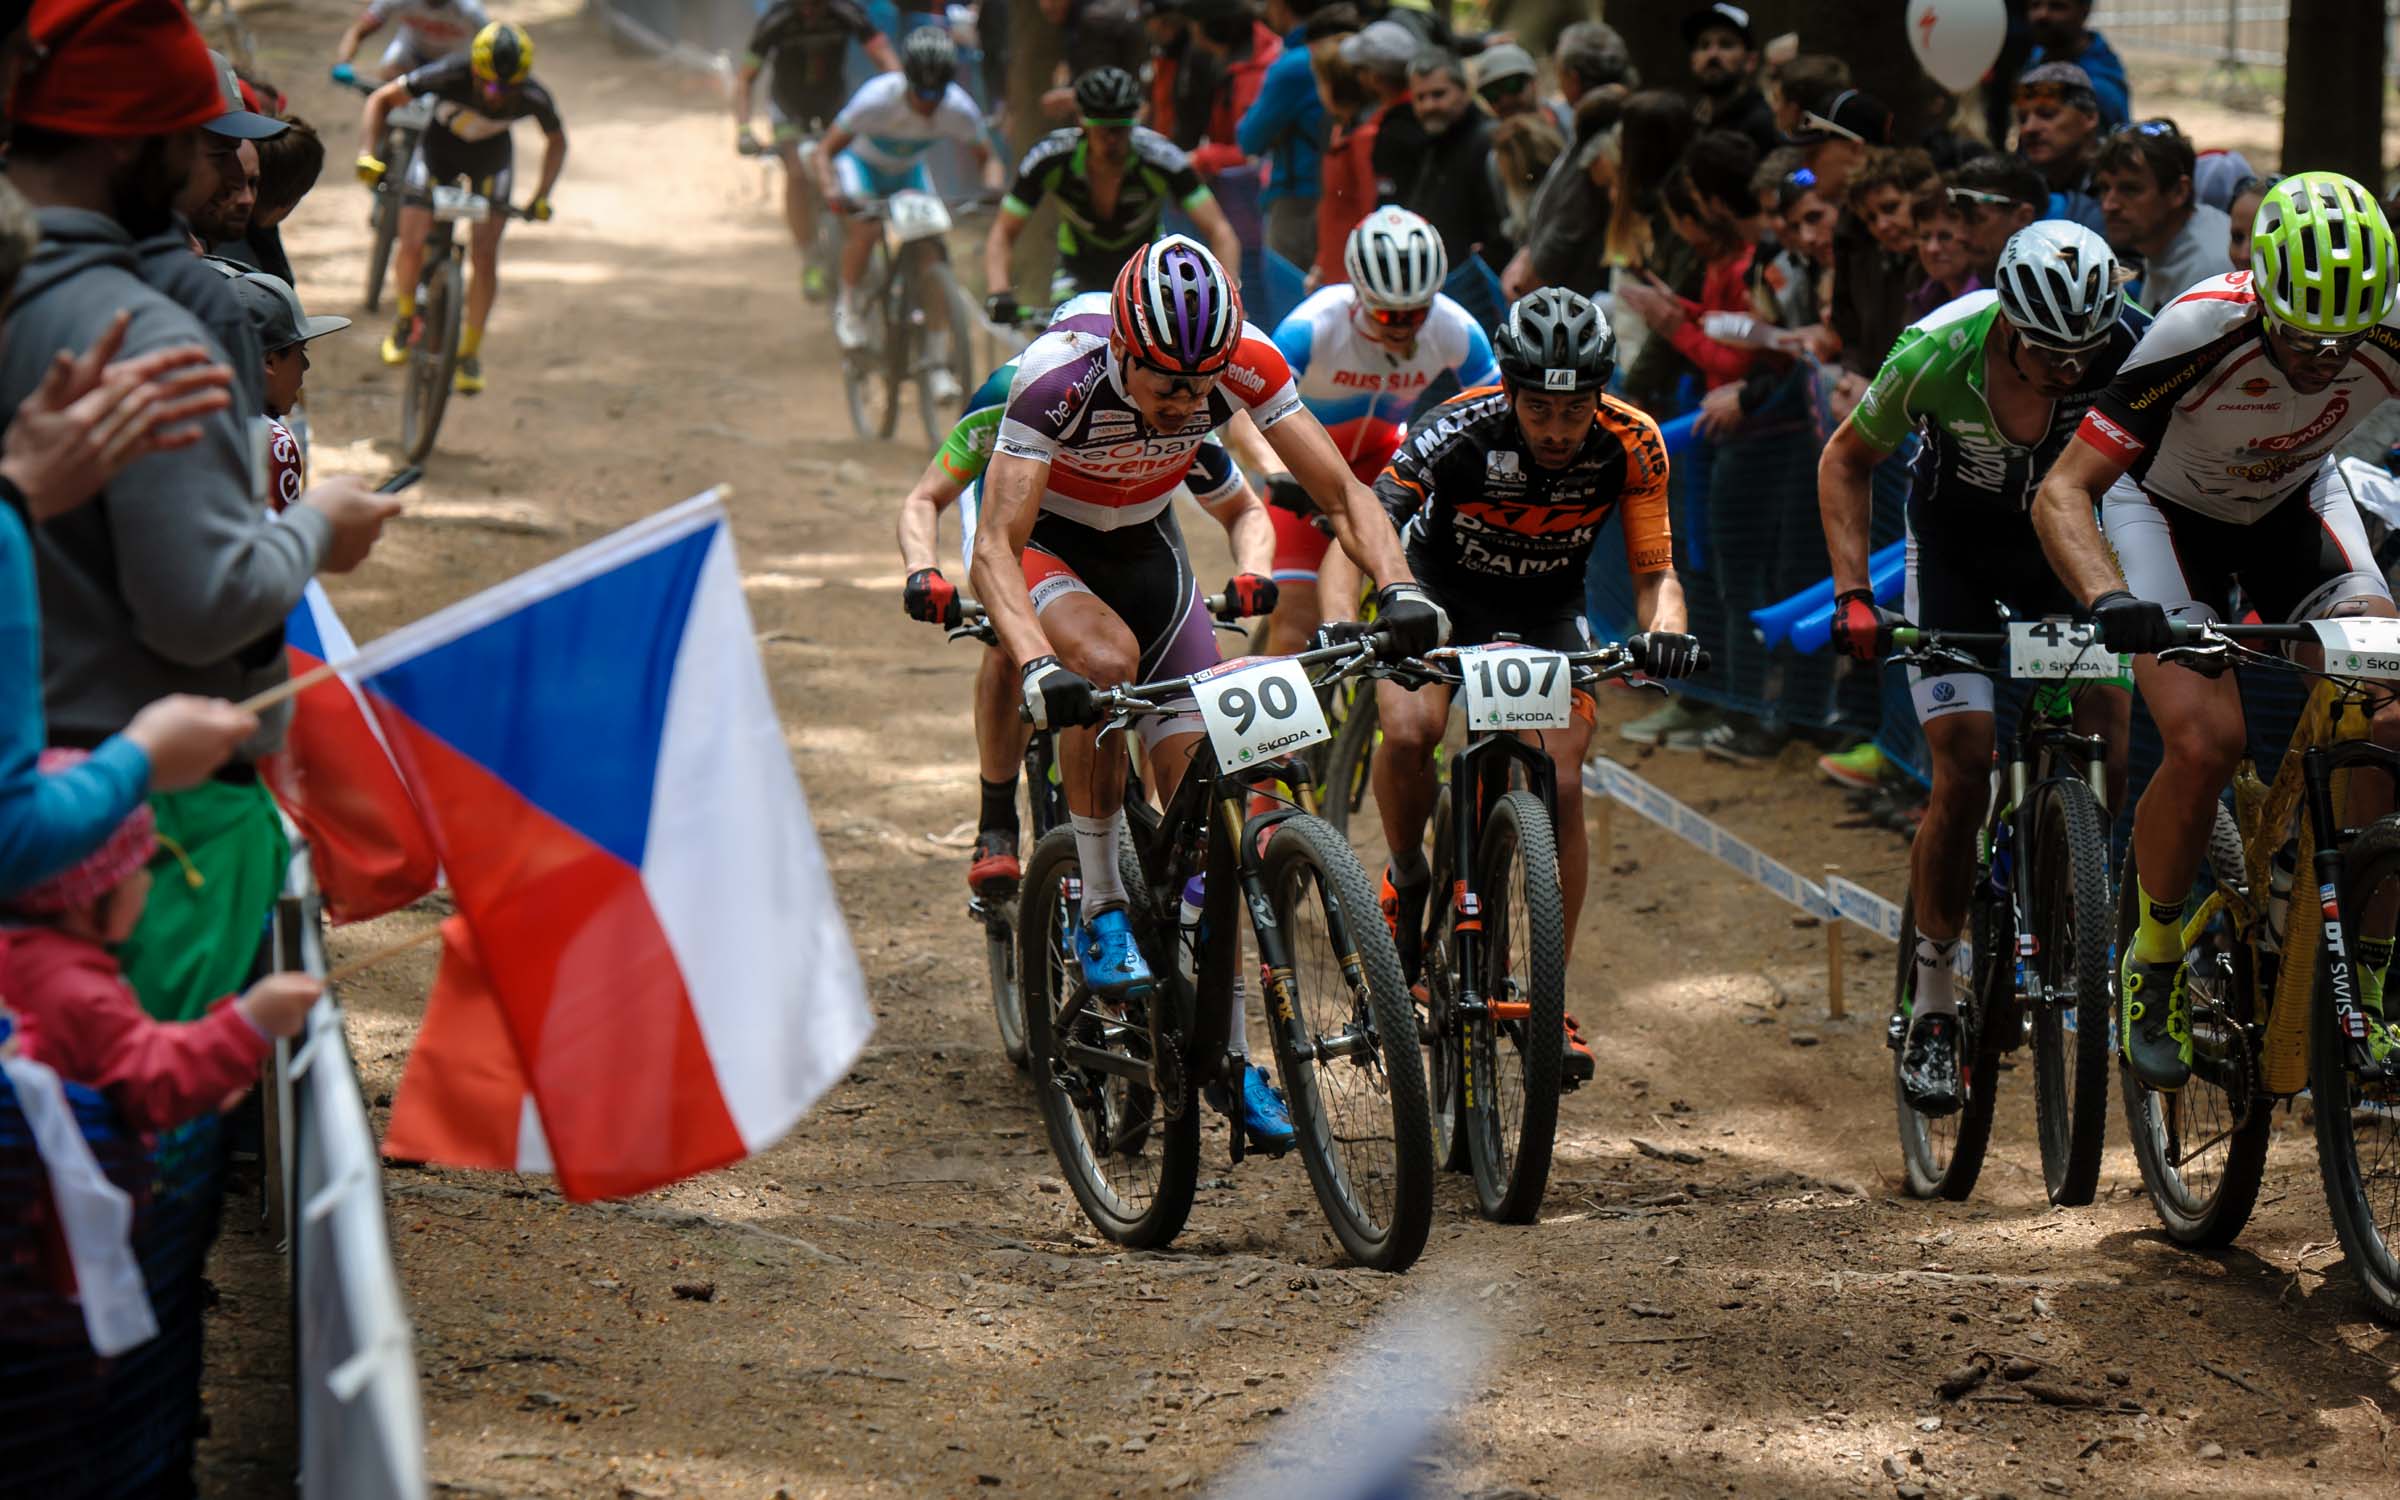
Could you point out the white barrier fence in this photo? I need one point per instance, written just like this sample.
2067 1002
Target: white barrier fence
1835 901
362 1430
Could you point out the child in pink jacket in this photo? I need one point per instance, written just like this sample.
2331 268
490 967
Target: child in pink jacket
75 1013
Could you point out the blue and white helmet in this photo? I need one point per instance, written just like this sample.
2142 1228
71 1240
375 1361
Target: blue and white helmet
2058 284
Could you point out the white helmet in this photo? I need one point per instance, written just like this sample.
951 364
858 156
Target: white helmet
1396 260
2058 284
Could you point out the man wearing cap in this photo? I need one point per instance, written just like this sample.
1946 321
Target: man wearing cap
2058 135
1834 142
1724 52
1504 76
1435 156
2062 34
1382 51
1286 125
172 581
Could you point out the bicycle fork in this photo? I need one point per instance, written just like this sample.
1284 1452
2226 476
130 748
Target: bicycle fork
2337 977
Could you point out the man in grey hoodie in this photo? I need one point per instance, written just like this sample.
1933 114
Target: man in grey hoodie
173 580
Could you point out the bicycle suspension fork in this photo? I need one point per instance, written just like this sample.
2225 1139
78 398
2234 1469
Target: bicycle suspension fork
2337 976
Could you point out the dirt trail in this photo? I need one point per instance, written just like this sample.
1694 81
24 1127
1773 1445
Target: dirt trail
907 1303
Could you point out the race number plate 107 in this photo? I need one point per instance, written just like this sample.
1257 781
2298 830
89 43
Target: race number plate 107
1516 687
2370 647
2059 650
1260 710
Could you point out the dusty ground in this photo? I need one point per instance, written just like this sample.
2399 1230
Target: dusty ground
907 1304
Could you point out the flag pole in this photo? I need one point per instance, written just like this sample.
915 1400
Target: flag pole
290 687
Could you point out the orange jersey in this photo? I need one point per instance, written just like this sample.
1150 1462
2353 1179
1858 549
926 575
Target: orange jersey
1474 508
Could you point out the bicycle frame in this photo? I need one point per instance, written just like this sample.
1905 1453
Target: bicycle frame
2045 739
1477 777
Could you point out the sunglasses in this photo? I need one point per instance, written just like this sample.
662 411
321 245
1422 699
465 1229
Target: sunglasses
2308 345
2060 357
1396 319
2154 128
1800 177
1505 88
1811 120
1979 196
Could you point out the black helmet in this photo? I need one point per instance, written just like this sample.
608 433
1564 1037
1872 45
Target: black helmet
928 59
1556 340
1108 96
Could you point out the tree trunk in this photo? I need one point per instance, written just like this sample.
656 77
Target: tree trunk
2333 90
1035 48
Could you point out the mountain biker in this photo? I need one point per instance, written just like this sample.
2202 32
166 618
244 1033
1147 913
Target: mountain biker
877 148
1113 181
1364 352
1994 383
429 30
477 95
954 475
2210 460
1499 496
805 42
1081 568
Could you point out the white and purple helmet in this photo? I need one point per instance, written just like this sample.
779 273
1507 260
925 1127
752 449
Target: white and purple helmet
1176 310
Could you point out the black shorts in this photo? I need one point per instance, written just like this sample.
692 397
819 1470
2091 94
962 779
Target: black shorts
1477 619
442 157
1965 567
1141 573
2308 553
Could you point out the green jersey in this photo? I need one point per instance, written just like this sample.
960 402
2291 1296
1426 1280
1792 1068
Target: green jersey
1933 384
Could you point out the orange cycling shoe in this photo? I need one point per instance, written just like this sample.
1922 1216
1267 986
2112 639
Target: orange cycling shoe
1404 913
992 869
1576 1064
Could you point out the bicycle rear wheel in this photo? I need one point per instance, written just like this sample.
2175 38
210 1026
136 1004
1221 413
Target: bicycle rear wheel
1348 1052
2203 1149
1131 1156
1510 1082
951 348
1000 962
2072 925
2358 1120
386 216
432 361
1942 1155
1349 762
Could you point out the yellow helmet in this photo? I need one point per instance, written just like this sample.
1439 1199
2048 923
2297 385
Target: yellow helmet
2321 253
502 54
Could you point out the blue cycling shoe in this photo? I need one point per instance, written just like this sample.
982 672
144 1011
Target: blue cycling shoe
1113 965
1263 1117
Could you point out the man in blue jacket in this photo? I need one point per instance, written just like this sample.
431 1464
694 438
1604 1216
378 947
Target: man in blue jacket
1286 125
2060 35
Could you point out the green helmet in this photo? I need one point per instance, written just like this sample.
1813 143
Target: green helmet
2321 255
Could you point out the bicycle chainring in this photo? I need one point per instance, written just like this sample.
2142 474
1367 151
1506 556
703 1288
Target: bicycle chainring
1167 1070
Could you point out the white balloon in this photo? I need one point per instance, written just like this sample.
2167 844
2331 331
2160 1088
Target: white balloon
1957 41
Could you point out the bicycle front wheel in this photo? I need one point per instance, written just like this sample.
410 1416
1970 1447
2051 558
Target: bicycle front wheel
386 216
1347 1050
2202 1150
1347 794
1942 1155
1510 1080
871 374
2358 1119
1127 1138
951 348
433 361
2071 924
1000 961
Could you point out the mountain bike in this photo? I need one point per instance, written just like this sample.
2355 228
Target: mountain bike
906 281
1118 1081
1496 951
434 328
402 128
2286 899
2040 960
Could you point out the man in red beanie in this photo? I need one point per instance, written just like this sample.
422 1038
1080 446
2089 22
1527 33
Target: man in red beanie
172 581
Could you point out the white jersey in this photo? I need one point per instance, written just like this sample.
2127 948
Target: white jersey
428 31
2204 419
1362 391
890 136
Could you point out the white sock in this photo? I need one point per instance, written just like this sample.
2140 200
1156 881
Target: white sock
1237 1039
1937 985
1096 852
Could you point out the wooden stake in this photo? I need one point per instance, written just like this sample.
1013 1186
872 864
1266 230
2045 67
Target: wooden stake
289 688
1834 1000
367 961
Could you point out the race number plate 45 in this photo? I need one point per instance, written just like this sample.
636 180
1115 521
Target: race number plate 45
2369 647
1516 687
1258 710
2055 650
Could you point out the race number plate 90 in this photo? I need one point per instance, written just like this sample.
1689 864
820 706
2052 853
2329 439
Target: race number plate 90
2059 650
1258 710
1516 687
2361 644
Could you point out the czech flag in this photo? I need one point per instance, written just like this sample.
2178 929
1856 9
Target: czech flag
606 783
335 780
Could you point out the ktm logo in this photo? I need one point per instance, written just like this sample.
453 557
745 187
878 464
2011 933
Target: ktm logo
1531 520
